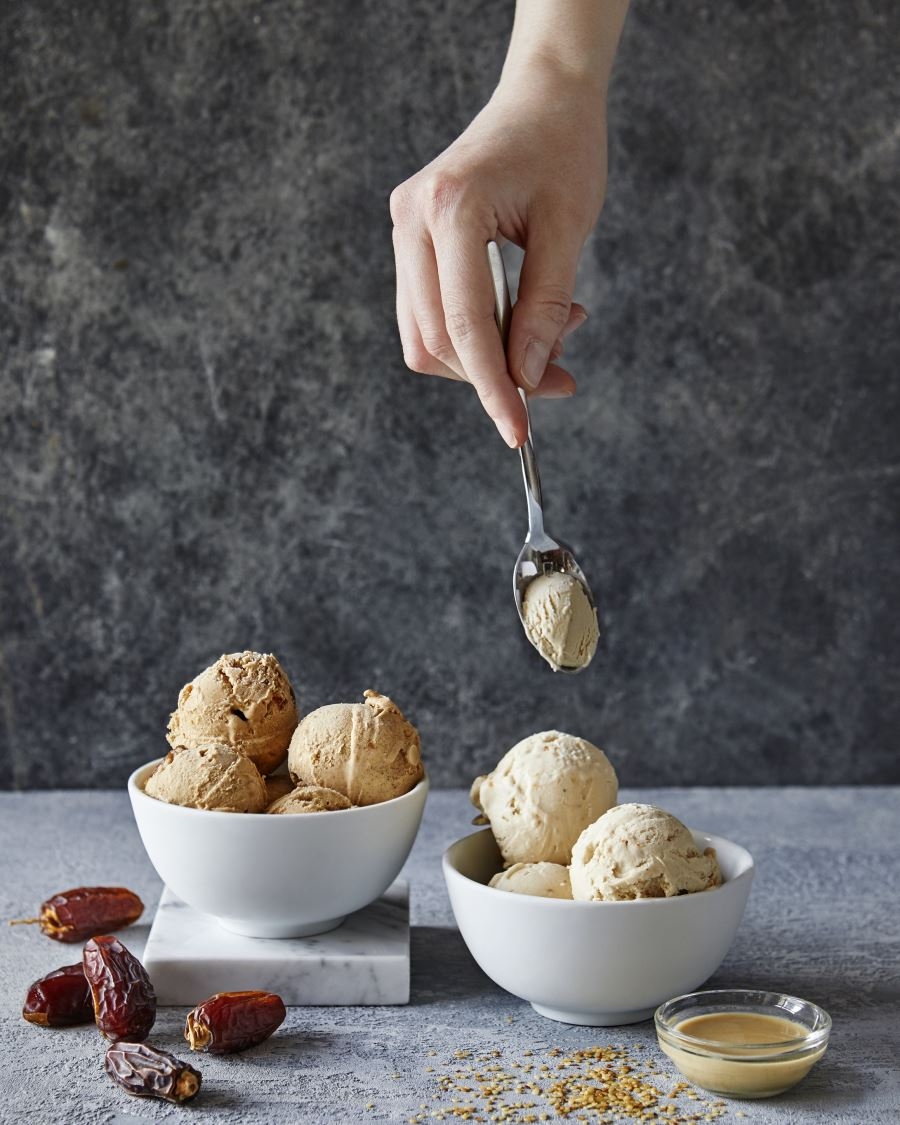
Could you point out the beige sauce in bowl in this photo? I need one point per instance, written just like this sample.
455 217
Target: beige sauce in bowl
744 1054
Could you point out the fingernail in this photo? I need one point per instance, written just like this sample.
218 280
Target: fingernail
576 323
535 363
507 433
555 394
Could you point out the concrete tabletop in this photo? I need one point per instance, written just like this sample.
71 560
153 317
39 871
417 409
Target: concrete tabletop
823 922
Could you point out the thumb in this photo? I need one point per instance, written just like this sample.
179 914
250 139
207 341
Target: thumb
543 304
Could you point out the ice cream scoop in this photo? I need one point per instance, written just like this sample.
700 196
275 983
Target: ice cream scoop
540 555
310 799
213 776
560 620
639 851
367 751
244 700
278 785
545 880
542 794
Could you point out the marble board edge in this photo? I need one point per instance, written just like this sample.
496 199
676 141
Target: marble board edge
366 961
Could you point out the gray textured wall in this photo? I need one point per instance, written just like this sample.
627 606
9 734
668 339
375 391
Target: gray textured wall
209 441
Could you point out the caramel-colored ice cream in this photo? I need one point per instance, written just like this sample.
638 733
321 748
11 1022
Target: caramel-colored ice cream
542 794
560 621
310 799
214 776
639 851
545 880
367 751
278 785
244 700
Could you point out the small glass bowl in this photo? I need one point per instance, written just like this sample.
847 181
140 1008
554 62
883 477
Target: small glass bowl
743 1070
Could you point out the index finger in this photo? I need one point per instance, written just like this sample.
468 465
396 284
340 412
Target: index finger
467 295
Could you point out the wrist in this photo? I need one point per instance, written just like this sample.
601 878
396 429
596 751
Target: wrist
541 71
568 41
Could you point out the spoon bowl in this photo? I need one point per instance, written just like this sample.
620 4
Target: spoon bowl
551 556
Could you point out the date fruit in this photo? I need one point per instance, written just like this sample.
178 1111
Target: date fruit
233 1021
84 912
60 999
124 999
146 1072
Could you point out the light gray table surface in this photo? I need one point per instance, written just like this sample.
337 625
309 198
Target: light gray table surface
822 922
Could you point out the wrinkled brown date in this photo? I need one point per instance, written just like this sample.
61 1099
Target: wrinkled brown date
124 999
84 912
146 1072
60 999
233 1021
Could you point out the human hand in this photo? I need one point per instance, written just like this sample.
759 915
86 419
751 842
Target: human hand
531 168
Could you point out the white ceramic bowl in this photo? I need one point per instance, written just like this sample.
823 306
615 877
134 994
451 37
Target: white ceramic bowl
277 876
596 963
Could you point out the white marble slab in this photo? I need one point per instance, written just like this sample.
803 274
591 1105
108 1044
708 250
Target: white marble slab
189 956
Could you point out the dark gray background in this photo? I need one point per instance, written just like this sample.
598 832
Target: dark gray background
209 440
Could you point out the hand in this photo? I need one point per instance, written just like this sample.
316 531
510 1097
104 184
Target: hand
531 168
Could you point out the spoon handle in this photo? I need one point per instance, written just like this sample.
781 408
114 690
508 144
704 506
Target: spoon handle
503 316
532 481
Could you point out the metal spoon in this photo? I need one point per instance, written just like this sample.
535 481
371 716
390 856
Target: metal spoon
540 554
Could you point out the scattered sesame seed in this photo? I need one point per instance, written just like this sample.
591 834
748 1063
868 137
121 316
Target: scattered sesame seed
601 1085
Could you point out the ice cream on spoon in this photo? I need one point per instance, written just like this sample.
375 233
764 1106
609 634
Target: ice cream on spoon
560 620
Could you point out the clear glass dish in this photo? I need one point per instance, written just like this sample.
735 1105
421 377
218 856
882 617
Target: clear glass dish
767 1041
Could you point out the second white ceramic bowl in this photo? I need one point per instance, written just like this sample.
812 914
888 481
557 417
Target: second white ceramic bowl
277 876
595 963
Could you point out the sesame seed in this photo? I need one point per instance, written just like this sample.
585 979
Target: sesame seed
599 1085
